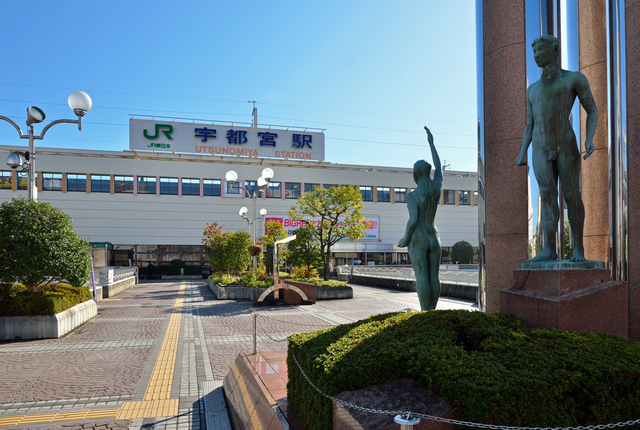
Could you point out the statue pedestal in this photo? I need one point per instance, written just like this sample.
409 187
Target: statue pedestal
568 296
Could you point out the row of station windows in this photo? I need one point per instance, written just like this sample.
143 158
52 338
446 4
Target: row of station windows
97 183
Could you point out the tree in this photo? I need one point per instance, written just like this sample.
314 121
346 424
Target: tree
274 231
305 250
335 214
462 252
228 251
38 246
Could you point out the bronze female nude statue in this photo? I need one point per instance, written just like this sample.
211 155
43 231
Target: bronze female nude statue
422 236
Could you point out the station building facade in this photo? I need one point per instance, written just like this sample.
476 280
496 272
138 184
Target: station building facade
152 207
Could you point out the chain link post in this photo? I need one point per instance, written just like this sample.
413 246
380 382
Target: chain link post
255 333
406 422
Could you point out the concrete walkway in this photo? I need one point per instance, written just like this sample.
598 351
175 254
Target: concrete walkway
141 362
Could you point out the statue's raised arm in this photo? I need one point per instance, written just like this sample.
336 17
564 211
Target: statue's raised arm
437 175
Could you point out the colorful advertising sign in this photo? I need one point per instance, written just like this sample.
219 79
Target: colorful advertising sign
146 135
290 226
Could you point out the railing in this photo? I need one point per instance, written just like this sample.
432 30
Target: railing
112 275
454 276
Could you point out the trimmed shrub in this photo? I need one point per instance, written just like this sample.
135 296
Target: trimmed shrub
492 368
15 300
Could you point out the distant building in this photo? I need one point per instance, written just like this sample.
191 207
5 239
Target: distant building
153 206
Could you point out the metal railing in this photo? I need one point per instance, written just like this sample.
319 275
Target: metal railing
453 276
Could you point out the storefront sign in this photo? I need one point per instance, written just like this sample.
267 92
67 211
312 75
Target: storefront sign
290 226
145 135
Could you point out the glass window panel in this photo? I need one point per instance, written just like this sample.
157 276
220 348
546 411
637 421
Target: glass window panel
23 180
274 190
252 187
400 195
123 184
52 181
100 183
233 188
5 180
311 187
475 198
328 186
464 197
367 194
449 197
190 187
146 185
169 186
384 194
76 182
211 187
292 190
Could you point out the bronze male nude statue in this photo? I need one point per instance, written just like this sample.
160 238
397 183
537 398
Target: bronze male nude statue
556 153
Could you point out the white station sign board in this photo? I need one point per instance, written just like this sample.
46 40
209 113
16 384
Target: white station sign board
169 136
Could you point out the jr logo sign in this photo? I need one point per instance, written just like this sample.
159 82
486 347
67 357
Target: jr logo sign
166 129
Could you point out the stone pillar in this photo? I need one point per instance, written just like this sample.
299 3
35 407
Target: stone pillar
592 24
505 107
632 25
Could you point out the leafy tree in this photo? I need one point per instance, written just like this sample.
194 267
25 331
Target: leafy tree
274 231
462 252
335 214
38 246
304 250
228 251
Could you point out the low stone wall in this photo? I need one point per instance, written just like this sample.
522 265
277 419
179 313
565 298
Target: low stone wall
334 293
42 327
447 289
181 277
234 292
116 288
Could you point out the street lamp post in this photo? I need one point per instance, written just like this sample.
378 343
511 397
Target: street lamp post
79 101
263 181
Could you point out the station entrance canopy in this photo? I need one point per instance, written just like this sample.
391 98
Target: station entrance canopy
168 135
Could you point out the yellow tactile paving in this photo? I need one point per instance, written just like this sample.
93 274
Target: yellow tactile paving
157 401
148 409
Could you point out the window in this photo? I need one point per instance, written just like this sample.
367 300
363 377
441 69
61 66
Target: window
190 187
328 186
311 187
76 182
5 180
169 186
367 194
100 183
211 187
475 198
52 181
400 195
449 197
274 190
291 190
252 187
23 180
233 188
146 185
464 197
384 194
123 184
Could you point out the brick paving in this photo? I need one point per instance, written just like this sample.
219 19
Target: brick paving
108 361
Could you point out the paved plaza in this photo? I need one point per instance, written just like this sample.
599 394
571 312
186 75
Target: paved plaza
140 362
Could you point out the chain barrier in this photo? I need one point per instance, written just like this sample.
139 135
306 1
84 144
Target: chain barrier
294 323
267 334
456 422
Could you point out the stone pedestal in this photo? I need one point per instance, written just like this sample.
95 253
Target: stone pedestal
568 298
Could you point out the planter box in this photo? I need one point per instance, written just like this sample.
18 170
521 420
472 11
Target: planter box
111 290
333 293
42 327
234 292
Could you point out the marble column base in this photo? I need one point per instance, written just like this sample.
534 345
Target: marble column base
569 299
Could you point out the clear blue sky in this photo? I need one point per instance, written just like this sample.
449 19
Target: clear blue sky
372 73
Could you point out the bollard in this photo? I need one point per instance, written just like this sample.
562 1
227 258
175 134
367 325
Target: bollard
255 333
406 423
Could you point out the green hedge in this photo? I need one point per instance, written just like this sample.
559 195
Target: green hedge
15 300
491 368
